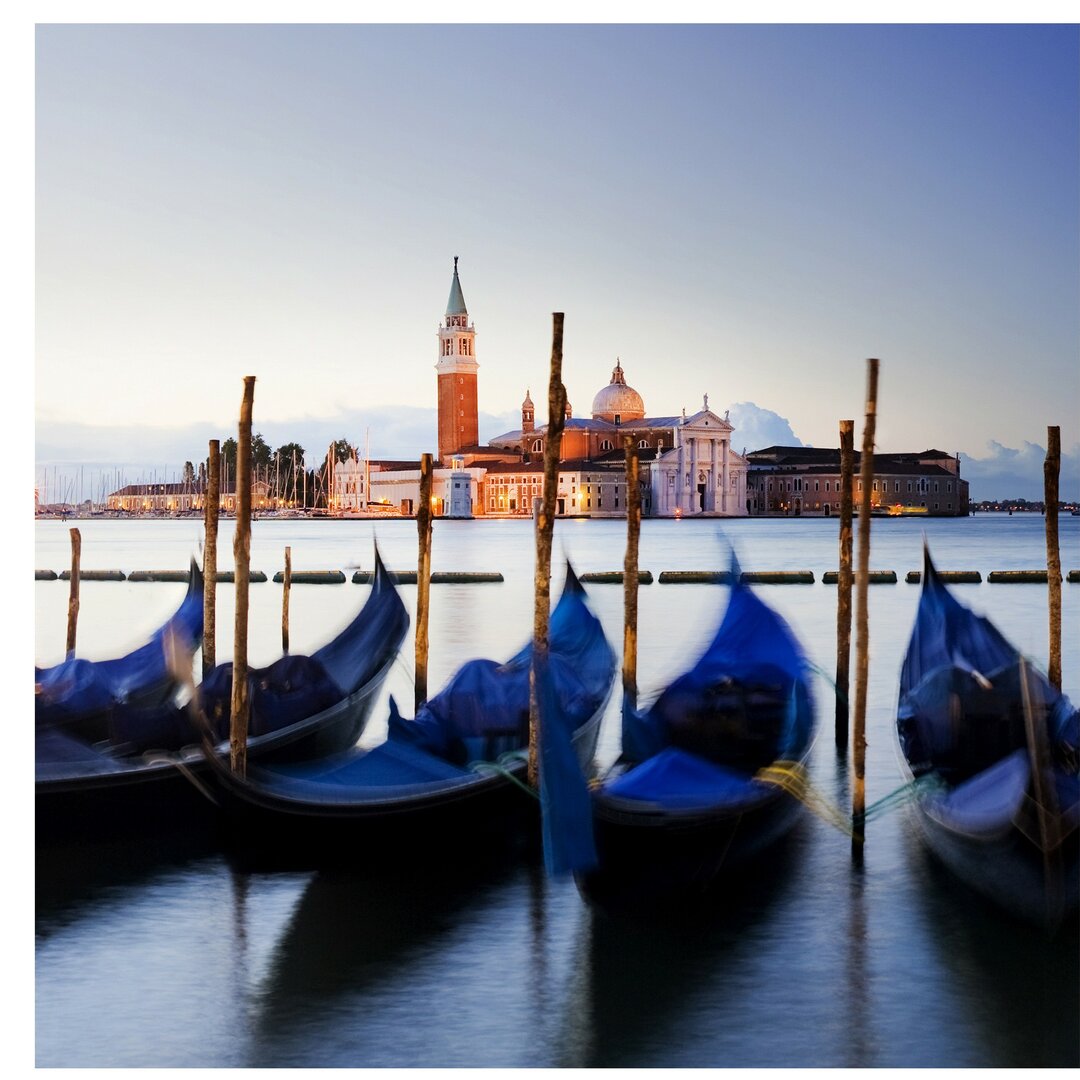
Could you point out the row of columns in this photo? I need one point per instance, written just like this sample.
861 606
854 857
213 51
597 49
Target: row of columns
686 493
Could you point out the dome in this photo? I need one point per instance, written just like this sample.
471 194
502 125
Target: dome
618 400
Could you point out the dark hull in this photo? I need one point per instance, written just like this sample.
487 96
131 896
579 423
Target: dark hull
647 855
174 790
1006 867
442 823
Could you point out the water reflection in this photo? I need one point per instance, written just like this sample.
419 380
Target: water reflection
360 935
1015 985
648 979
73 878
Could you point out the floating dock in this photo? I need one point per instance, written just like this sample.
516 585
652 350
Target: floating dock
438 577
964 577
311 577
613 577
777 577
695 577
874 577
1032 577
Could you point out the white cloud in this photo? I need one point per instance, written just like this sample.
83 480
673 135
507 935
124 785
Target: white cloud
1017 473
757 428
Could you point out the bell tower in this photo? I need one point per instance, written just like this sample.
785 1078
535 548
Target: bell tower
456 367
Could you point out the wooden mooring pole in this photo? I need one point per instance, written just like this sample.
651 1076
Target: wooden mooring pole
1051 472
843 590
630 573
423 578
73 594
862 619
241 705
545 528
211 510
286 585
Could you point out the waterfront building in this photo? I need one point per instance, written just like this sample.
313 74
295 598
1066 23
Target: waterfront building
184 498
397 484
796 481
688 465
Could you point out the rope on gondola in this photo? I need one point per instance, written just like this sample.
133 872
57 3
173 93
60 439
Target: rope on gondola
502 768
182 767
792 778
831 681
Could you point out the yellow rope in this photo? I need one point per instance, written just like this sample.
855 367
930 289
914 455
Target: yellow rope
791 777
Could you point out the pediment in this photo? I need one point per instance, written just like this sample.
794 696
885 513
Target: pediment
707 420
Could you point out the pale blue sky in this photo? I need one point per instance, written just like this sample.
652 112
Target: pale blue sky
743 211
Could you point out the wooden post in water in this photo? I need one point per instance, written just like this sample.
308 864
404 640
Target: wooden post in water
843 590
238 732
1051 471
545 528
630 573
211 510
862 619
73 595
423 578
285 600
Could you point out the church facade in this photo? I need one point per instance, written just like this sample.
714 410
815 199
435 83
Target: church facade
687 464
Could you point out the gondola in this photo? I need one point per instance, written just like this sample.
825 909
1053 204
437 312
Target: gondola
689 800
80 695
153 769
991 748
447 783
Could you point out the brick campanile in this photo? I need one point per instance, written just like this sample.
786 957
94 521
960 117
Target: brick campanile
456 367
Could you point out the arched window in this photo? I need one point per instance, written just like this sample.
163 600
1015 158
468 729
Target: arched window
643 444
538 446
605 444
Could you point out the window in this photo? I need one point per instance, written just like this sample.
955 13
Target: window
643 444
618 418
538 446
605 444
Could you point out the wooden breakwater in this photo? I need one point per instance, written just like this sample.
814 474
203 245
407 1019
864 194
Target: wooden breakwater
874 577
599 577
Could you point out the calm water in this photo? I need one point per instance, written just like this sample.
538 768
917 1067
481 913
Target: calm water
179 959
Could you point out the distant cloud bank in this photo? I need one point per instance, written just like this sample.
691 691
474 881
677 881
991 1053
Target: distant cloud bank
1008 473
81 461
756 428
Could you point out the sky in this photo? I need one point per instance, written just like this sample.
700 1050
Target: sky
744 211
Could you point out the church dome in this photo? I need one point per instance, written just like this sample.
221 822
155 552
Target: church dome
618 400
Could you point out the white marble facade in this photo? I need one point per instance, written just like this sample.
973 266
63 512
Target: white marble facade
701 473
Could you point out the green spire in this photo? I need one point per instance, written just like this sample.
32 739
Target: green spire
456 304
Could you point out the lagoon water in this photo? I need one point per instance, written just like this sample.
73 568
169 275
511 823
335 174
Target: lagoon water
180 959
